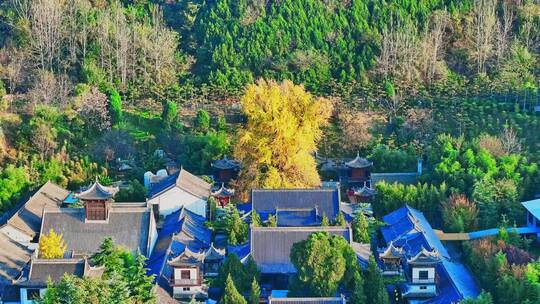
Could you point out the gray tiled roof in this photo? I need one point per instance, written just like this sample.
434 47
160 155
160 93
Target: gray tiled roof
28 218
271 246
268 200
127 225
13 258
98 192
41 270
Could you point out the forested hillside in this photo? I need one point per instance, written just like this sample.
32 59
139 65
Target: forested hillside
88 84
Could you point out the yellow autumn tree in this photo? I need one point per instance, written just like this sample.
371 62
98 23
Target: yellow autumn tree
276 148
52 246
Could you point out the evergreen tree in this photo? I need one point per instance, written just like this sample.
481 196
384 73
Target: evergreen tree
169 114
360 228
140 284
357 287
324 221
203 121
231 294
115 106
52 246
272 221
374 288
254 293
255 219
340 220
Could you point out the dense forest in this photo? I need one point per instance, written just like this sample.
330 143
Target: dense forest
89 86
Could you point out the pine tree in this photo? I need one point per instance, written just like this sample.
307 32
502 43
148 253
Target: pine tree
52 246
357 288
115 106
272 221
375 289
255 219
340 220
324 221
360 229
254 293
231 294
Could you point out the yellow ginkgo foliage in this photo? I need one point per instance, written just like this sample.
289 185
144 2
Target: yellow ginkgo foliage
52 246
276 148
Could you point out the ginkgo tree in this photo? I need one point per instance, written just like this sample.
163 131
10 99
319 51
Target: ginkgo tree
277 146
52 246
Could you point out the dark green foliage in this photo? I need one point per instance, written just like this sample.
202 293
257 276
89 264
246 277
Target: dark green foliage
242 275
199 150
135 192
374 284
426 198
232 296
483 298
254 293
237 229
386 159
169 115
324 262
202 122
125 281
360 229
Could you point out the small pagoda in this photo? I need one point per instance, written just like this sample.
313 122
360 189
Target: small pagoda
391 258
358 172
223 195
362 194
213 257
97 200
225 169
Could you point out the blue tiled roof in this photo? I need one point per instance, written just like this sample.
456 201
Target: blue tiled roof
409 229
533 207
164 184
241 251
180 229
243 208
297 218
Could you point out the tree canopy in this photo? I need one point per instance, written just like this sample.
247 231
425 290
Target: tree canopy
283 126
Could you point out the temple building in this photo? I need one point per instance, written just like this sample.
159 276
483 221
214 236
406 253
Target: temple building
431 273
391 259
97 200
225 169
357 173
131 225
223 195
270 248
185 275
296 207
181 189
183 255
213 258
33 283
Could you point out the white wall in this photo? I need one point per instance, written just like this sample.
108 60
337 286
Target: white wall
416 275
174 198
